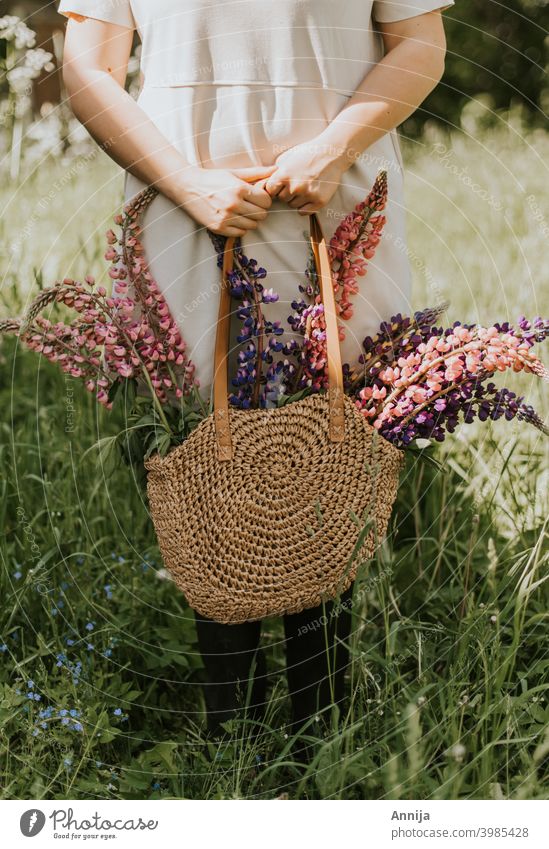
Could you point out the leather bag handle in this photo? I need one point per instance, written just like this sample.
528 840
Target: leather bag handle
336 423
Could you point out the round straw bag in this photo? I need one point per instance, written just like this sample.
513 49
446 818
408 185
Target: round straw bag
270 511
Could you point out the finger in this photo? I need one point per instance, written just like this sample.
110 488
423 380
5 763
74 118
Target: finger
296 202
274 187
257 196
242 222
231 231
285 194
254 172
252 210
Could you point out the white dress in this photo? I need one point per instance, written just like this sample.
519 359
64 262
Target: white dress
232 83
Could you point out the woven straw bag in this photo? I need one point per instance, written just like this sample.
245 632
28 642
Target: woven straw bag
270 511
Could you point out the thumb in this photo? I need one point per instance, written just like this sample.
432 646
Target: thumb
254 172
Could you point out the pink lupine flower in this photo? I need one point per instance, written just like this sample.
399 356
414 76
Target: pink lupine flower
353 245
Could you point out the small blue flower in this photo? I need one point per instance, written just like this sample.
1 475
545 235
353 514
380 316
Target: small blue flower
117 711
90 646
156 785
44 724
3 647
67 761
121 559
79 560
69 642
73 712
63 712
36 732
37 697
107 652
17 575
78 726
89 626
54 611
65 721
108 590
30 684
30 696
99 764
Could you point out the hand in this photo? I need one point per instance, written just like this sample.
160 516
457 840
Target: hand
307 176
224 201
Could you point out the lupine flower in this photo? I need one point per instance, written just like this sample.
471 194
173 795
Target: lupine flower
113 338
433 377
354 243
413 379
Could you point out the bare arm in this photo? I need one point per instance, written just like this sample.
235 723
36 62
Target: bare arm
410 69
94 72
308 175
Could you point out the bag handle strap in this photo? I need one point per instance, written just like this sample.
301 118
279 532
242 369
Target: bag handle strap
336 422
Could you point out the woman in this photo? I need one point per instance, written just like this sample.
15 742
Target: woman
252 115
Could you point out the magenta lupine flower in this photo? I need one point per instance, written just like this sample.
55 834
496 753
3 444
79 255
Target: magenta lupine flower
351 247
442 375
354 243
128 335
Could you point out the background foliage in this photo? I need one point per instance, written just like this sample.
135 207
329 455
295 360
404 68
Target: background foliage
496 62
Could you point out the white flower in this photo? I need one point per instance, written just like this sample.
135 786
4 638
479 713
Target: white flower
458 752
12 28
39 60
19 79
46 137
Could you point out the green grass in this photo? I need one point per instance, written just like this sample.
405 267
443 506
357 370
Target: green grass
448 688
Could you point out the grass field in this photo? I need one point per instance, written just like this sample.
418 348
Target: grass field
448 690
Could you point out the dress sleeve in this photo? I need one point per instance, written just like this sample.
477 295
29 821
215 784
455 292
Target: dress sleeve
113 11
386 11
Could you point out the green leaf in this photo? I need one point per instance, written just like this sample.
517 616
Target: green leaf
297 396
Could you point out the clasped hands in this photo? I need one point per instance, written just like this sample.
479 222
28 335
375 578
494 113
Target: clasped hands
231 203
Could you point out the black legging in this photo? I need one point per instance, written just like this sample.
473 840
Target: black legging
315 665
